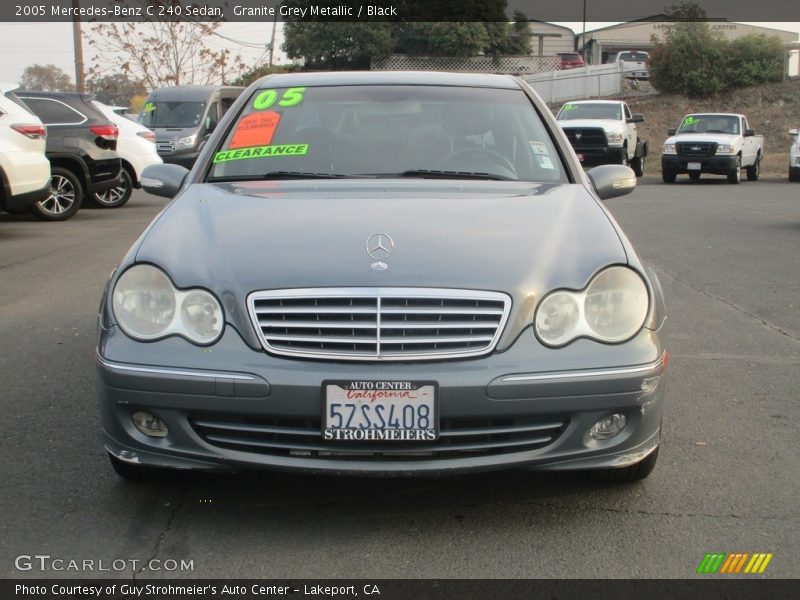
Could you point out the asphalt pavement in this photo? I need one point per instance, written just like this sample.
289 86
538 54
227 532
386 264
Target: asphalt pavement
728 477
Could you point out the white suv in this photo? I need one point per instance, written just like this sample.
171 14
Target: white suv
136 146
24 169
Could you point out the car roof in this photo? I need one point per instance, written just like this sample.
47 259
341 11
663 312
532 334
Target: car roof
594 102
714 114
188 93
57 95
439 78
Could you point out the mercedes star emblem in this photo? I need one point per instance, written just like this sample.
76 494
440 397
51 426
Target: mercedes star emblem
380 246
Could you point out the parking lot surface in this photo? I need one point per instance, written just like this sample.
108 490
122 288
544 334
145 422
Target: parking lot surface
728 477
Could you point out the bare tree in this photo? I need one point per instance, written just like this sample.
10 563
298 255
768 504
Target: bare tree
159 53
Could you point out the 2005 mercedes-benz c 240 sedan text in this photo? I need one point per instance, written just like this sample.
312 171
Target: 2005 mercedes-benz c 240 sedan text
383 273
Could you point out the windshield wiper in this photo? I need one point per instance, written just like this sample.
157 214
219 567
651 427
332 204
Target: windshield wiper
283 175
432 174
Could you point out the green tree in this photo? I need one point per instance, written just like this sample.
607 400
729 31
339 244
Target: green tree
338 45
754 60
115 90
689 61
45 78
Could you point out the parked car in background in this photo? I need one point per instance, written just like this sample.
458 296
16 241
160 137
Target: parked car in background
717 143
81 147
314 299
634 63
794 156
570 60
604 132
136 147
24 168
183 118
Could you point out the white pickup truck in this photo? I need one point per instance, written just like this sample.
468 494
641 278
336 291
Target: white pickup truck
603 132
794 156
717 143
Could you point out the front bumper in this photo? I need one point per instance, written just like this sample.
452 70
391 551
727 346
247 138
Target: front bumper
718 165
599 155
268 409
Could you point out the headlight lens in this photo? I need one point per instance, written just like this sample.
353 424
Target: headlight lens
186 142
147 307
611 309
669 149
725 149
615 137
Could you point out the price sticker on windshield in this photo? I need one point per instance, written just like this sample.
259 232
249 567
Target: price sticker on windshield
256 129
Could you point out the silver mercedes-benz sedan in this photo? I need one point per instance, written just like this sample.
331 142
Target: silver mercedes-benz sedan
383 273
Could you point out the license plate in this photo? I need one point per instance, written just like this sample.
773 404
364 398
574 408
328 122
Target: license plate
402 411
580 157
694 166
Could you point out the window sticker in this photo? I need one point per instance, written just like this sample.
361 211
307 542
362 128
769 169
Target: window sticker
545 162
149 107
690 120
256 129
291 97
261 152
569 107
538 148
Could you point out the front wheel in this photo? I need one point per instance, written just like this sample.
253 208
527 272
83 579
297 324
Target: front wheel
624 160
754 170
637 164
116 196
735 174
794 174
668 176
635 472
694 175
66 196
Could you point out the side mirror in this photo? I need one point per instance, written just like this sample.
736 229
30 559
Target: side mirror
610 181
793 132
749 132
164 180
672 131
635 118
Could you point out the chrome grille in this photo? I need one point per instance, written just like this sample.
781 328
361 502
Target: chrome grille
299 437
165 147
378 323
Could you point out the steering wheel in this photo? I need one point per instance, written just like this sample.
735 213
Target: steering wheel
461 158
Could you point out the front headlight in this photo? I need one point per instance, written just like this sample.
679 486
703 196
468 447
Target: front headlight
615 137
148 307
725 149
611 309
186 142
669 149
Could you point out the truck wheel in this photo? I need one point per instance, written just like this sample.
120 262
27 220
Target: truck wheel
694 175
735 175
624 160
637 164
668 176
754 170
66 195
794 174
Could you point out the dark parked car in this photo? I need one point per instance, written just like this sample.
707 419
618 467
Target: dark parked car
81 146
384 272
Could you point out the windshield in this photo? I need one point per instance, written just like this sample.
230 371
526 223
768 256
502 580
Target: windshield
710 124
639 56
601 110
388 131
172 114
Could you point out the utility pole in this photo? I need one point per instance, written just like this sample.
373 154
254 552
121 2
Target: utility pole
272 40
77 44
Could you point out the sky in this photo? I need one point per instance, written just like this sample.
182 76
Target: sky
22 44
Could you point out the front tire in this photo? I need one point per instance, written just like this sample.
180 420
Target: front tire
116 196
668 176
794 174
694 175
635 472
754 170
624 160
637 164
735 175
66 196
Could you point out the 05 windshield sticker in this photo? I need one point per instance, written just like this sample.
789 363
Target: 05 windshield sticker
256 129
569 107
149 107
261 152
291 97
688 121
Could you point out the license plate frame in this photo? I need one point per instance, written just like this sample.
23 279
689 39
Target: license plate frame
368 392
694 166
